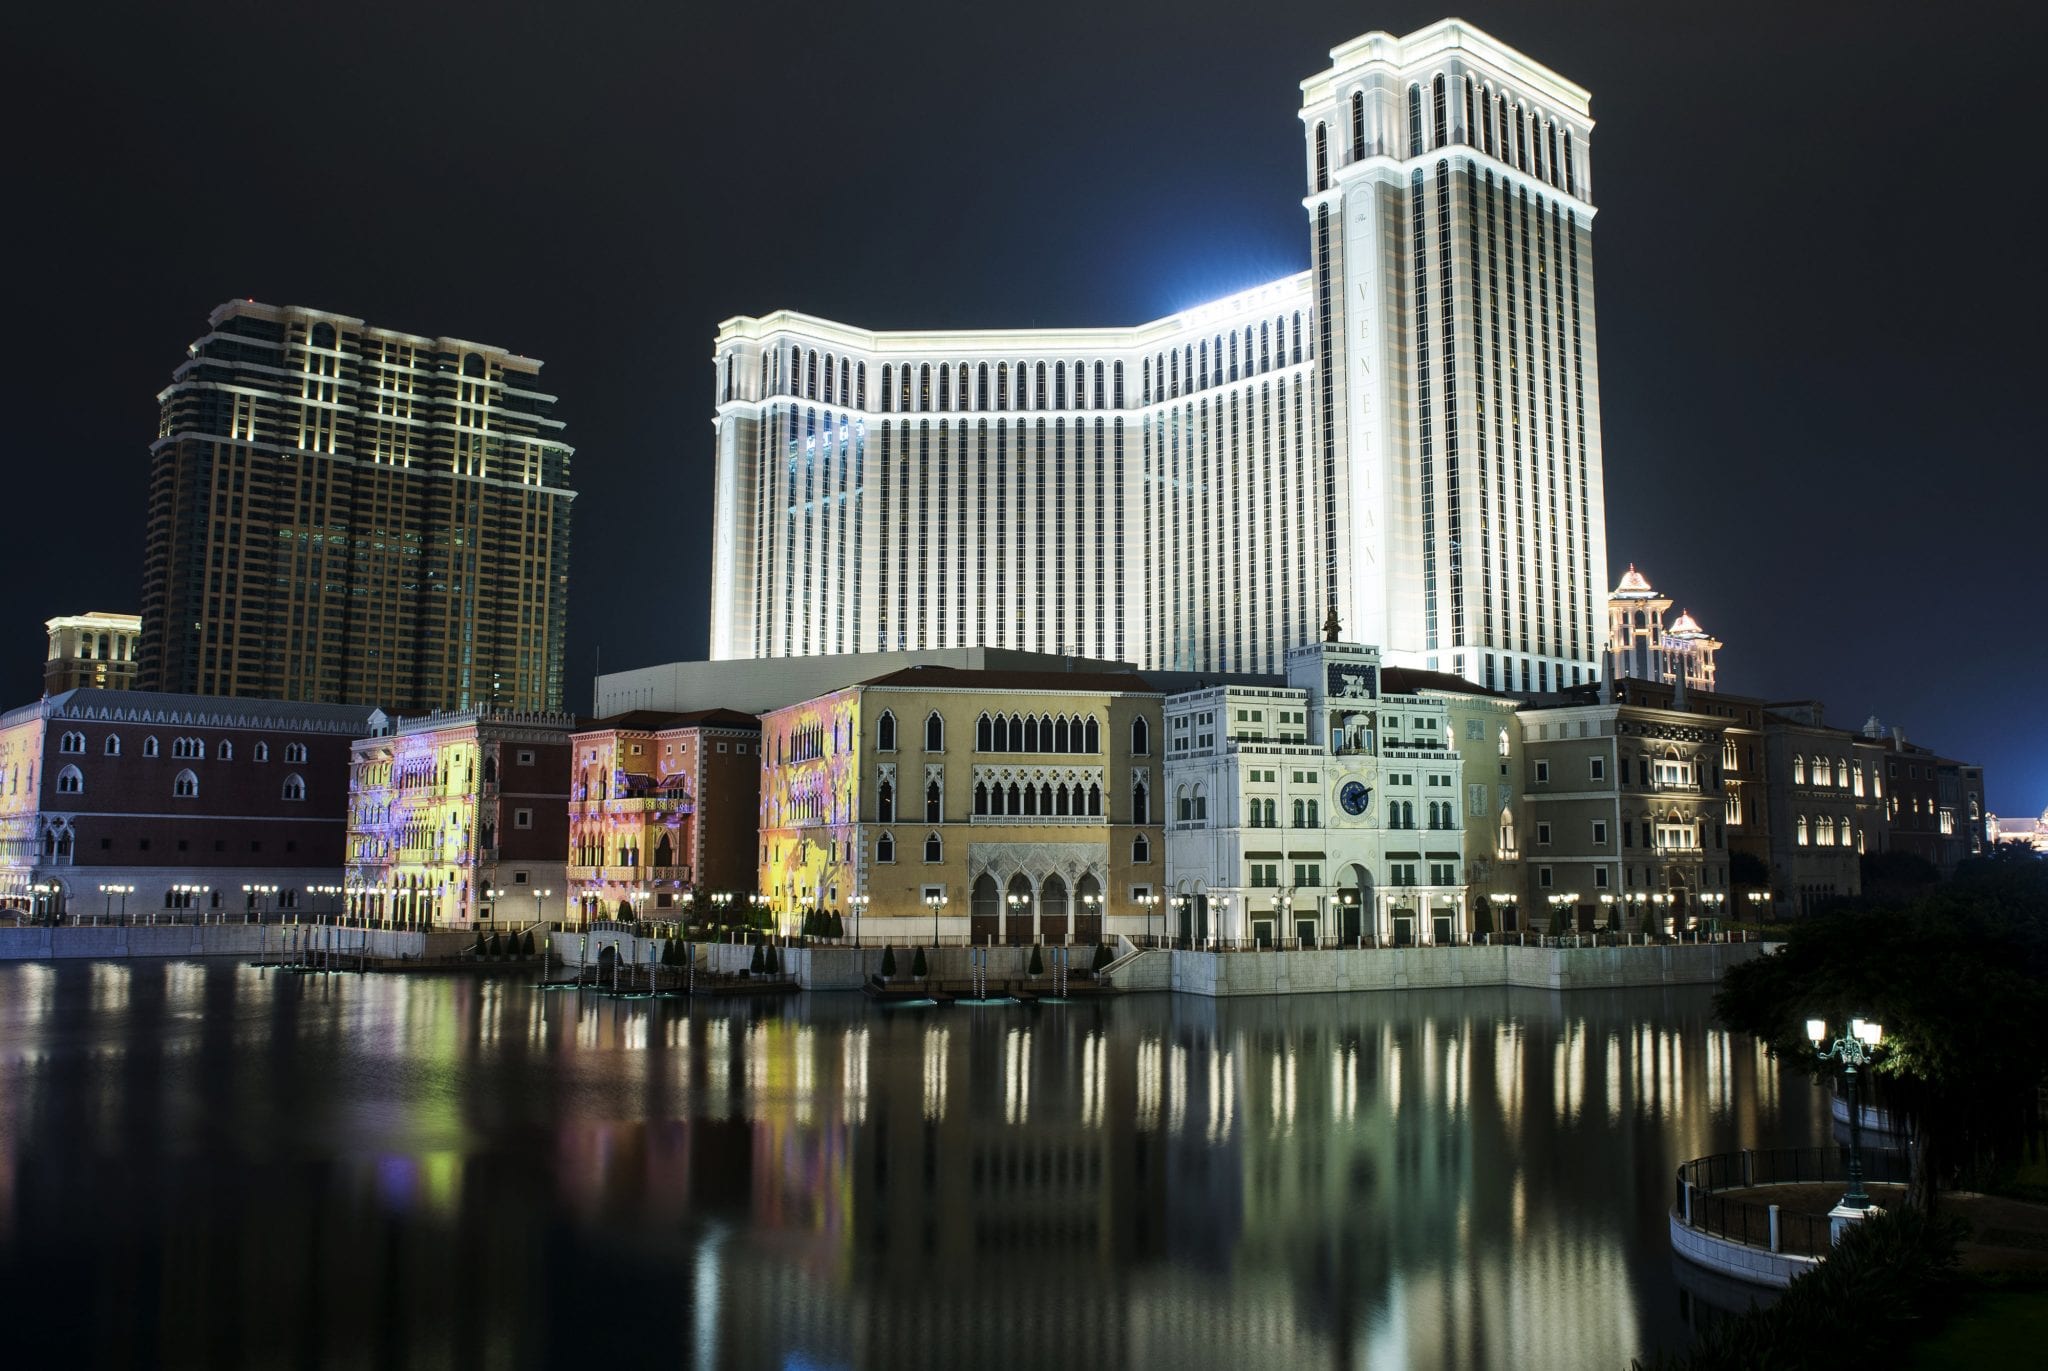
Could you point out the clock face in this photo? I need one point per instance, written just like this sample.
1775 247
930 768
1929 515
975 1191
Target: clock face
1354 796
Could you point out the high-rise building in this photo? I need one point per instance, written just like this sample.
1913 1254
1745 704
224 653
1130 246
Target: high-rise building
347 513
1408 432
96 650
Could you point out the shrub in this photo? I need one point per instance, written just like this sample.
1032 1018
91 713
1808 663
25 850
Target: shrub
918 966
1037 967
526 944
1103 956
760 962
772 962
1482 919
1890 1278
838 925
1614 917
888 961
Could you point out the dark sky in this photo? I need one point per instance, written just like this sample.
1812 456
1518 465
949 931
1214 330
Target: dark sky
1820 285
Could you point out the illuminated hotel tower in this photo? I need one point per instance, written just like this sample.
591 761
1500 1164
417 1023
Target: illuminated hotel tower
348 514
1408 431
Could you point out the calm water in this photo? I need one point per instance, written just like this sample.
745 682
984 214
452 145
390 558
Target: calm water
204 1165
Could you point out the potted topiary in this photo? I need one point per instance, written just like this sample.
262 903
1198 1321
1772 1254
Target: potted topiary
1103 957
1037 967
888 963
918 966
760 961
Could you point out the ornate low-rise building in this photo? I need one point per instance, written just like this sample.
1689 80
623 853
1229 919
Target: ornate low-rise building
1324 810
118 802
460 819
1007 806
662 811
1827 806
1625 811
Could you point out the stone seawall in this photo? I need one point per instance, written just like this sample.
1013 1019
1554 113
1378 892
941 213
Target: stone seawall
218 940
1224 974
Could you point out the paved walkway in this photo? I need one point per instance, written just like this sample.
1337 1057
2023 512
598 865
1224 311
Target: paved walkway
2005 1234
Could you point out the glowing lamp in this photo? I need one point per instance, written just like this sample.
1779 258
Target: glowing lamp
1817 1029
1870 1033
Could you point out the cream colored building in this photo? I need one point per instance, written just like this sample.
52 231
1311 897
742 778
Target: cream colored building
96 650
1025 801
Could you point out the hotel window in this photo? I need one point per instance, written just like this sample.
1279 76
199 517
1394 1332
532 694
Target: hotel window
885 733
1543 835
294 787
885 848
1543 773
1798 770
1599 833
1141 850
1599 768
70 781
71 742
934 850
112 746
934 733
185 786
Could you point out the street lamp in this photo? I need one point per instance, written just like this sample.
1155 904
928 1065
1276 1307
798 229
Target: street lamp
1094 904
124 891
859 903
1756 903
937 903
1150 902
1018 904
1283 912
1221 919
1856 1048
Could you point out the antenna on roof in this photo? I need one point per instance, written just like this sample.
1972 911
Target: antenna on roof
596 673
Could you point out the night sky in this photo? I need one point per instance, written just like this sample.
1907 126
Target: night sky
1820 294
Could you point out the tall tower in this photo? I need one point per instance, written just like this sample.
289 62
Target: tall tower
341 513
1457 416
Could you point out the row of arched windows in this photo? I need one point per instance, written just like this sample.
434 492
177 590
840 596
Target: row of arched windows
184 749
184 786
1041 801
1223 358
1043 733
921 388
1514 133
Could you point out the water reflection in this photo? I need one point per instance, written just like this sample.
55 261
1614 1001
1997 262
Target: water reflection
204 1165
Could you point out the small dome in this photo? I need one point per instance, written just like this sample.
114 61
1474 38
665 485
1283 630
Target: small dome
1633 582
1687 627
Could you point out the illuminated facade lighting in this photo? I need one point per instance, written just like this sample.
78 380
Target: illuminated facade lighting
1409 431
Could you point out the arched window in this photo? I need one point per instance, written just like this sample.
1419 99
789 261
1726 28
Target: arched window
984 735
1437 96
1016 734
1322 158
1062 802
885 848
934 733
1091 736
1141 737
885 803
185 786
1799 828
1201 804
1357 125
1414 121
1798 770
1315 814
1045 798
888 397
932 801
1031 743
1016 805
262 753
295 752
981 798
71 742
1301 814
934 851
112 746
1094 801
1059 734
226 751
295 787
70 781
1141 851
1141 809
885 732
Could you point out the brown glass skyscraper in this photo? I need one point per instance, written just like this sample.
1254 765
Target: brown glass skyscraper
351 514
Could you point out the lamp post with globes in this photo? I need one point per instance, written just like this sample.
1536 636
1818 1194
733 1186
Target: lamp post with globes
110 891
1018 904
935 903
859 903
1855 1049
1150 902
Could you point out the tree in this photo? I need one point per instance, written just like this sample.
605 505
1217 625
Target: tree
1037 967
772 962
1482 918
1958 977
760 962
1557 921
1103 956
1896 876
917 966
1747 871
526 944
888 962
1614 917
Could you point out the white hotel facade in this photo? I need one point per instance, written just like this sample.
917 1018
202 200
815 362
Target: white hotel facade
1408 431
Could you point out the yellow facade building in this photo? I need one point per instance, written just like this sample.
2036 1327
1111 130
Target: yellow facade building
1002 806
